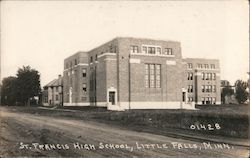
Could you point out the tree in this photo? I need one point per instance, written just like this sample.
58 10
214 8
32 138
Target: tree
9 91
226 91
241 93
28 84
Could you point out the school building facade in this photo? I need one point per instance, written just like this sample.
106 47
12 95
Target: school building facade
134 73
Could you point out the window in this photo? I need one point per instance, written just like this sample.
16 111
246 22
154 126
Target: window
158 50
144 49
203 100
213 100
84 87
207 88
206 66
151 50
208 100
75 62
200 66
190 88
153 75
56 97
110 48
190 99
158 76
91 59
96 57
209 76
190 76
214 76
71 64
168 51
146 75
56 89
190 65
115 49
67 65
203 76
134 49
46 99
214 88
203 88
84 72
212 66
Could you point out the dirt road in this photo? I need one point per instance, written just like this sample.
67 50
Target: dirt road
32 135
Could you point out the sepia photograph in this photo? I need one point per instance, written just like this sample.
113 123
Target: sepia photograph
130 79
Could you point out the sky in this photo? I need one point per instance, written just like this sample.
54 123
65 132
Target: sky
43 33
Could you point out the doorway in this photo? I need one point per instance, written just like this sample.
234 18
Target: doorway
183 96
112 97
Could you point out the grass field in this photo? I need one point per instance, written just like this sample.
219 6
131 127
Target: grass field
232 119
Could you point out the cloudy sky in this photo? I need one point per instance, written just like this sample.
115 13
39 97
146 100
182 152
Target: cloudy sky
42 34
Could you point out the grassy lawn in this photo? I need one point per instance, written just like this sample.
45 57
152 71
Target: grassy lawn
232 119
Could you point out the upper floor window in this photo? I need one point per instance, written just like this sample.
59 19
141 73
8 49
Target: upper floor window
190 88
200 66
91 59
151 50
168 51
134 49
190 65
214 88
190 76
208 88
84 72
212 66
84 87
206 66
56 89
144 49
115 49
96 57
213 76
203 88
67 65
203 76
71 64
158 50
209 76
75 62
110 48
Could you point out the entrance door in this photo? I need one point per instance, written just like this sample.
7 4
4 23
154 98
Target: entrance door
112 98
184 96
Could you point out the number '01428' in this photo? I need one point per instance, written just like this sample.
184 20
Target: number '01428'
209 127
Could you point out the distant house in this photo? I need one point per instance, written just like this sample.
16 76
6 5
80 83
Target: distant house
53 92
